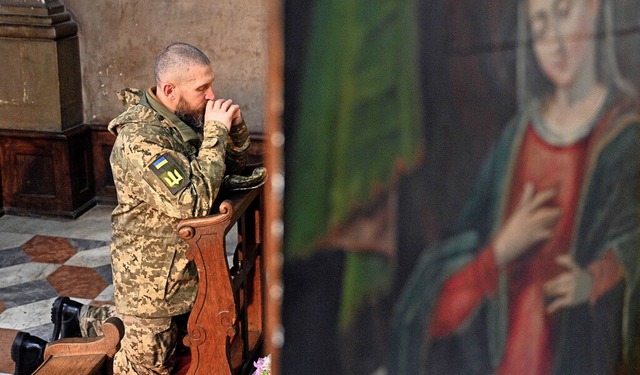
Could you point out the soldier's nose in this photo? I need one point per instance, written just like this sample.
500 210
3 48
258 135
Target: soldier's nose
210 95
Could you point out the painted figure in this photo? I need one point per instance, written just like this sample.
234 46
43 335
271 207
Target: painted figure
541 277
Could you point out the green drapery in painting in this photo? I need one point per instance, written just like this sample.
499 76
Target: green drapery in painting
357 127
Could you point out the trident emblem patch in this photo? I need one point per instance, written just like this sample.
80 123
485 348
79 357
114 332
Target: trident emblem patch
169 172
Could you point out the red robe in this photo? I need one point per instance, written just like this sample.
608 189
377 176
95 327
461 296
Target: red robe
530 342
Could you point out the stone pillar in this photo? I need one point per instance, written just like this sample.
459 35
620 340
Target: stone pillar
40 87
45 149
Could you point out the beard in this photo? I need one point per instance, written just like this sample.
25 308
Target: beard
194 118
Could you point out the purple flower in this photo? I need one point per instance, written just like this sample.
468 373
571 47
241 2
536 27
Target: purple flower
263 366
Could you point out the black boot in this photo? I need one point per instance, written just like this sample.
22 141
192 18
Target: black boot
65 316
27 352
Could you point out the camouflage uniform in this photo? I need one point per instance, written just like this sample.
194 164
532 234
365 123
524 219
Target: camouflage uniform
163 172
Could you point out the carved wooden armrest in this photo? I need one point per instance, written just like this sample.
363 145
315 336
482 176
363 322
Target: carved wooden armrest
84 355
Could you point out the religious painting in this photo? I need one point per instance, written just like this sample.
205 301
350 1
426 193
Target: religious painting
537 270
511 236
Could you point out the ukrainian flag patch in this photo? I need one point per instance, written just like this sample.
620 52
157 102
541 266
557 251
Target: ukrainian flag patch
167 169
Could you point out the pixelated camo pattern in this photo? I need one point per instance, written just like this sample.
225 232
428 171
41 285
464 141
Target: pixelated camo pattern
152 277
129 97
148 346
93 317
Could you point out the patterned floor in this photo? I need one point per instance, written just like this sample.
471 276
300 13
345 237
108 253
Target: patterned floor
41 259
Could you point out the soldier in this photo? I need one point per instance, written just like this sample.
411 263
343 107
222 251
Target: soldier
174 143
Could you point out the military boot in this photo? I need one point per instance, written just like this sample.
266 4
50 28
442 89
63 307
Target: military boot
27 352
65 316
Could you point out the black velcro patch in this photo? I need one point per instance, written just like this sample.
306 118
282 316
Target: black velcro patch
169 172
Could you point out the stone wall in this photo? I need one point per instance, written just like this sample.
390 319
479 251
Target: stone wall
119 41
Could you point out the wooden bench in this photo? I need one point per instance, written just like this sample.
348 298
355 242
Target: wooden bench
225 328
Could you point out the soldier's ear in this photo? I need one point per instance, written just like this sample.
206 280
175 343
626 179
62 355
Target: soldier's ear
169 90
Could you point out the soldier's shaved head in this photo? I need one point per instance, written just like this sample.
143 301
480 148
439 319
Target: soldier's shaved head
176 59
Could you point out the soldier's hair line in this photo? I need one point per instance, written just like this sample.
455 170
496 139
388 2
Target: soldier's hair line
178 57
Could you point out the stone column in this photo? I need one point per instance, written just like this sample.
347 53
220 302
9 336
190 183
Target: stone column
45 165
39 55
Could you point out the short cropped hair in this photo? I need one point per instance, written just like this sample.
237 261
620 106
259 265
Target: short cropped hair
176 58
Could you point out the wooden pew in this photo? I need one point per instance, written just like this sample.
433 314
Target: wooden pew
225 328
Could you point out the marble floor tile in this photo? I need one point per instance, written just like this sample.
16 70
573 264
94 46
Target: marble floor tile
106 295
12 256
29 315
23 273
83 244
94 225
105 272
91 258
11 239
87 232
22 294
44 331
77 282
48 249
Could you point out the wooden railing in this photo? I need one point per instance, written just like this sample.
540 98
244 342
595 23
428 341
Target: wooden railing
225 329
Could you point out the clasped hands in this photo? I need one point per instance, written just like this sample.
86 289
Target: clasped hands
224 111
531 223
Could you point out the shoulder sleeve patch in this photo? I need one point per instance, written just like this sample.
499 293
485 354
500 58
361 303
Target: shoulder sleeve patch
169 171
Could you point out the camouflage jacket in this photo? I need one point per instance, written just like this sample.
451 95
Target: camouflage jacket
163 172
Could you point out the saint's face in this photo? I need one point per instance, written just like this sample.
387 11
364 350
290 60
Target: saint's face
563 33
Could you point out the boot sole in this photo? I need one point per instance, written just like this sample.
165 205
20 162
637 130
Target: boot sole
56 317
15 350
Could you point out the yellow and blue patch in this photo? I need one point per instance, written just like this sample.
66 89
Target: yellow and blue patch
160 162
169 171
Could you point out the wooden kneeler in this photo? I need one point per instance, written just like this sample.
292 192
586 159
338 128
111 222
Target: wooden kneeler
84 356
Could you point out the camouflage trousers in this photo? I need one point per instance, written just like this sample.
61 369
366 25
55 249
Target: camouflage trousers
148 345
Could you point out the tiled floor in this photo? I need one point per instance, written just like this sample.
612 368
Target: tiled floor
41 259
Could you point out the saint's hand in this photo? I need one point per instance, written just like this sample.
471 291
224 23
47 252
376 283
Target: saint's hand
570 288
531 222
222 110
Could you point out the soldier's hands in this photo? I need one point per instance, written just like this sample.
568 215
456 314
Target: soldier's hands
237 119
532 222
224 111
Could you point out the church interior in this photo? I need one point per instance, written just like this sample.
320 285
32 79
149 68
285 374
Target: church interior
396 137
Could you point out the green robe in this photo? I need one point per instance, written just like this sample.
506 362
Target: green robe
358 128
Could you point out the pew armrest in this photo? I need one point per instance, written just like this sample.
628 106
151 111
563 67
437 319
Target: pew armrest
87 355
